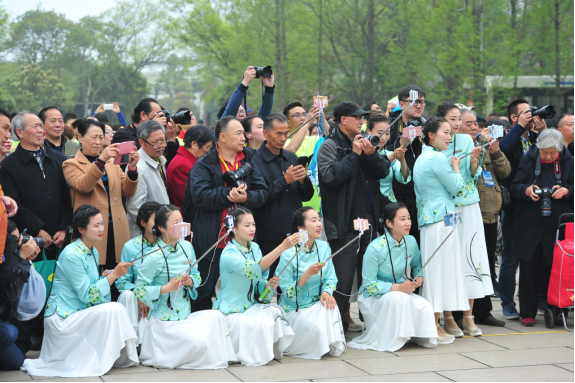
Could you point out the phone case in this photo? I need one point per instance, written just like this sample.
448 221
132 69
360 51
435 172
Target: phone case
125 148
412 132
182 229
360 224
320 101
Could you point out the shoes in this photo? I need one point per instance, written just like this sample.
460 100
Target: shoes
510 312
495 295
467 330
352 326
528 322
445 339
490 321
542 307
456 332
37 344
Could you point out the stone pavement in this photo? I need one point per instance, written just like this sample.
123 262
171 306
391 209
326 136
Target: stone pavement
520 354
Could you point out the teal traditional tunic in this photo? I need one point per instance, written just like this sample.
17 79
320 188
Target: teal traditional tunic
435 186
463 143
379 268
157 270
241 276
310 293
134 248
385 184
76 283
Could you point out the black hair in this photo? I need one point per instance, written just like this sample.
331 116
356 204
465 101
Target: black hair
68 132
4 112
561 117
298 218
70 116
80 220
145 212
222 125
200 134
496 121
494 114
12 115
222 109
144 105
444 108
11 226
161 219
86 123
403 94
268 122
432 126
102 117
512 108
115 127
42 114
375 119
236 215
247 123
290 106
183 110
390 211
367 107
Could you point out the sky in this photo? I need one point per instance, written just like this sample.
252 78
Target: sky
73 9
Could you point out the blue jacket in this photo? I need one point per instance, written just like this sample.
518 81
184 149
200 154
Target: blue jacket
238 97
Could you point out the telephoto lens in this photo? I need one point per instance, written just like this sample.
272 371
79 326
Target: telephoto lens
166 114
39 241
182 118
263 71
545 112
235 178
545 195
374 140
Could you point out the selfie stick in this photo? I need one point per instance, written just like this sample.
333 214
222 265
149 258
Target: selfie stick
206 253
267 289
302 125
152 252
432 255
488 143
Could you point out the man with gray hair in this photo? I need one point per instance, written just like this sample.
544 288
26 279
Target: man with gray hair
288 185
152 184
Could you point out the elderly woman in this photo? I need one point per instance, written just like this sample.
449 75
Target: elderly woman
95 180
548 166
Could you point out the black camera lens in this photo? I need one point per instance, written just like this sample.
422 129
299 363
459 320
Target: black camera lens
39 241
182 118
545 196
166 114
263 71
234 178
374 140
545 112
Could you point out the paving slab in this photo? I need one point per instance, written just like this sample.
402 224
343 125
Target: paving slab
460 345
415 377
531 357
14 376
174 375
131 370
297 371
418 363
531 340
567 366
543 373
350 353
90 379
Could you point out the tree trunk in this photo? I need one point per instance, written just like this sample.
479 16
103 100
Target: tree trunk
370 46
284 81
278 69
319 60
556 23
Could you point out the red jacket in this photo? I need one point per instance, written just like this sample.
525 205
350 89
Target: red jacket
177 174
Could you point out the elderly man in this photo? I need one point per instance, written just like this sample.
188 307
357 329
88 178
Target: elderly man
565 126
152 184
54 126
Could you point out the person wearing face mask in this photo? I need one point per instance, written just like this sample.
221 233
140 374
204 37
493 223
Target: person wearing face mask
175 337
393 314
135 248
436 183
85 333
258 329
475 261
254 130
308 285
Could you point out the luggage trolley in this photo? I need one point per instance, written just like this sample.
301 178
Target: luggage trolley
560 292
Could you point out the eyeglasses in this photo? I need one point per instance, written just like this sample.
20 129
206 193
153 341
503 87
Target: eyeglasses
110 133
298 115
157 144
358 118
417 102
242 111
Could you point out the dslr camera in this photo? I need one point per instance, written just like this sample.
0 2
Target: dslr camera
544 113
234 178
374 140
263 71
182 118
545 195
39 241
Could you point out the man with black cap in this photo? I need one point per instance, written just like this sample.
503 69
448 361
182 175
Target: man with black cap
349 172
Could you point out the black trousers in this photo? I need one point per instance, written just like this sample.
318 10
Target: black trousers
491 244
529 282
210 273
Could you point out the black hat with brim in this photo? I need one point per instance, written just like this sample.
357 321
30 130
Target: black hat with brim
348 108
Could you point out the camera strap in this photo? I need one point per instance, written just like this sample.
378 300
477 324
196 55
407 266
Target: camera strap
556 168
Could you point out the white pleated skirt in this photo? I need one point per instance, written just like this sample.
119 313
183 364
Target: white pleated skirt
87 343
444 285
393 319
317 332
130 302
259 334
473 252
201 341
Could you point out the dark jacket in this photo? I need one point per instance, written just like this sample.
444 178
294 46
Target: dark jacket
14 273
43 201
130 133
209 197
274 218
404 193
340 169
530 227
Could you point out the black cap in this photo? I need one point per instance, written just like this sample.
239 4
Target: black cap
348 108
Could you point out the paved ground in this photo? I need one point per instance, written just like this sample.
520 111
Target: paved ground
511 353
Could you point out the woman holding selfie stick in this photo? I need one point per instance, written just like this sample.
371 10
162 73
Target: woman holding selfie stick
95 180
174 337
259 330
436 183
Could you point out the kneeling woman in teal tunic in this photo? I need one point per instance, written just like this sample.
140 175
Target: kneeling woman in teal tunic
393 314
258 329
308 284
175 338
84 333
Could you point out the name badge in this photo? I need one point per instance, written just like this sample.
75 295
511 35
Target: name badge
488 178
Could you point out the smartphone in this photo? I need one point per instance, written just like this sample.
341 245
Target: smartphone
496 131
412 132
123 157
452 219
182 229
108 106
303 237
303 161
360 224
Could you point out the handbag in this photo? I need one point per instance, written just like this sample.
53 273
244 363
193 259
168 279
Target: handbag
46 269
505 196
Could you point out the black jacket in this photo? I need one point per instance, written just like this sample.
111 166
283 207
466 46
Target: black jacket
43 201
530 227
130 133
14 273
274 218
404 193
340 168
209 197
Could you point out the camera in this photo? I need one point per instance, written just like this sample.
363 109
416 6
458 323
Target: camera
545 112
234 178
182 118
545 195
25 238
374 140
263 71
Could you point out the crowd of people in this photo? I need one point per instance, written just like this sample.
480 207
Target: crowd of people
148 235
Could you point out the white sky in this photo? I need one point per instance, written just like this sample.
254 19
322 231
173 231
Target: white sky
74 10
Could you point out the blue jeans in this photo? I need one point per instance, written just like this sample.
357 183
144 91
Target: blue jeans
10 356
510 260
